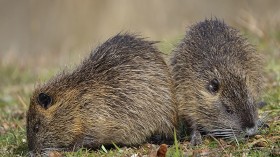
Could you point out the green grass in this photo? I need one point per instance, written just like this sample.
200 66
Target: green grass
17 84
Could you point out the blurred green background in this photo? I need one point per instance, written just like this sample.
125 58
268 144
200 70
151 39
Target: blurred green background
51 33
40 37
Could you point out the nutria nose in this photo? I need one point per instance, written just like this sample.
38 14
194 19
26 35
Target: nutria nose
251 131
250 128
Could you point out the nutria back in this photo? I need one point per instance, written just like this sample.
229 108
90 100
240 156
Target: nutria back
122 94
218 81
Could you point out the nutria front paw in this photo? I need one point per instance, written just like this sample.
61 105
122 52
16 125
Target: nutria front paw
196 138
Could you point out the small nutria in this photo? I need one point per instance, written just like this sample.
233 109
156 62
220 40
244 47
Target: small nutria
218 80
122 94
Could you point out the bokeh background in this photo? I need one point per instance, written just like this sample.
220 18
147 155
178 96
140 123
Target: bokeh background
38 38
51 33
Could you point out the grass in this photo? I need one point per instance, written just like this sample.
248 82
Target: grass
17 84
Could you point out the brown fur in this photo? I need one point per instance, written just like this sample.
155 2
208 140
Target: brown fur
212 50
122 94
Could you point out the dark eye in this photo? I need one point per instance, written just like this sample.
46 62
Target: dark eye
36 127
44 100
213 86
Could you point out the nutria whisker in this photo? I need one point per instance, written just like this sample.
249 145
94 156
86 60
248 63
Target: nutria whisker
220 133
221 130
52 149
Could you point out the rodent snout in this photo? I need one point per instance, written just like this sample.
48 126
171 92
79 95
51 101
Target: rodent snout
251 131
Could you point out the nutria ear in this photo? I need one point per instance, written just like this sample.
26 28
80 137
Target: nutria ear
44 100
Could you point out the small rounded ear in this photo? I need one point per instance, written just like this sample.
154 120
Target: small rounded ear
44 100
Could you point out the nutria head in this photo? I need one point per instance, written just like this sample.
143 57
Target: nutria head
53 119
218 80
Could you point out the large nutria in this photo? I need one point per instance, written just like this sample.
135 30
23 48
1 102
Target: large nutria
218 81
122 94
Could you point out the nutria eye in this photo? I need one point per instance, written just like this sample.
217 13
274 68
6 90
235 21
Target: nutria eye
44 100
214 86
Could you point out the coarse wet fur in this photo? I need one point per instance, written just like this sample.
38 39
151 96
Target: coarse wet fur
218 81
122 94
